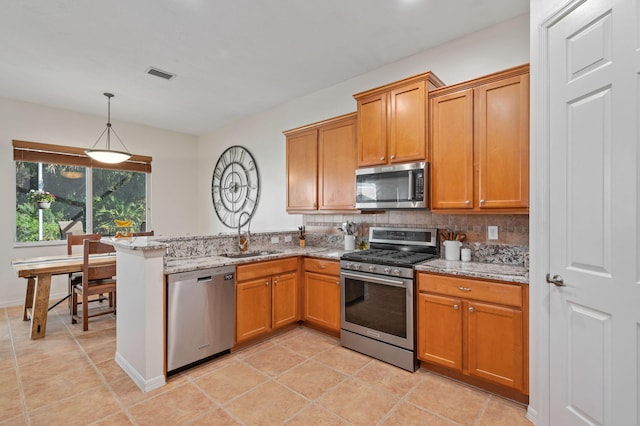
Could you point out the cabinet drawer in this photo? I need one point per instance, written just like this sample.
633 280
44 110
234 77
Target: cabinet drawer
322 266
487 291
250 271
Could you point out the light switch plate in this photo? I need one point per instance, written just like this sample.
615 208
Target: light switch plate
287 238
275 240
492 232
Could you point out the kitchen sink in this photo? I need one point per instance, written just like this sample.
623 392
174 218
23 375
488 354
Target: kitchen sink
241 255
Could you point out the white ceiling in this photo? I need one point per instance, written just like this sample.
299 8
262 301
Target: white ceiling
232 58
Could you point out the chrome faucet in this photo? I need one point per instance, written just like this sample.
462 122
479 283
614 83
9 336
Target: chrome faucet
243 246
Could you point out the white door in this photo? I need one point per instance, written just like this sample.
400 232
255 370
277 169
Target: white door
593 220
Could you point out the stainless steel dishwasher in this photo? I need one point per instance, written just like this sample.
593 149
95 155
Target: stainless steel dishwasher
200 316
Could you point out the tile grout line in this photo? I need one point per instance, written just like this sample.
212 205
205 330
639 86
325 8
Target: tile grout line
482 410
123 407
23 398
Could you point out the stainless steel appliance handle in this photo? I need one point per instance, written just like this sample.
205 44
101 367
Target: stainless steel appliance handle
410 196
374 279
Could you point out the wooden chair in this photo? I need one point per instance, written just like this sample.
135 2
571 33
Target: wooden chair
95 280
142 234
75 240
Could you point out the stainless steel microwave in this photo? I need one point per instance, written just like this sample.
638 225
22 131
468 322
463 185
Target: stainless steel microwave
400 186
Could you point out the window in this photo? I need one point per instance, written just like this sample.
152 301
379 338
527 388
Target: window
89 198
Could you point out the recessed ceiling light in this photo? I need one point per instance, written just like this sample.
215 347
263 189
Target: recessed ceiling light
159 73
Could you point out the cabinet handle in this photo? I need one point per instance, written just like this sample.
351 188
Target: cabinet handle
471 309
266 283
481 201
381 158
337 282
322 266
464 288
456 307
275 282
467 202
393 157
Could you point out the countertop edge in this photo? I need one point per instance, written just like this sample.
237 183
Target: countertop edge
490 271
178 265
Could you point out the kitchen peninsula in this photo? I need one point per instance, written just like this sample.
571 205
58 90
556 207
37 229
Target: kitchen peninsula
142 264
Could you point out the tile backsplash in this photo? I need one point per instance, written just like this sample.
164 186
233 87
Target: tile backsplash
512 229
511 247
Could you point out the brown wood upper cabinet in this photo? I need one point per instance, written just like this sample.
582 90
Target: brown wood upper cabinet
392 124
480 144
321 163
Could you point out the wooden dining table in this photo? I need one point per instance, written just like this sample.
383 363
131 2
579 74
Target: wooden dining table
38 272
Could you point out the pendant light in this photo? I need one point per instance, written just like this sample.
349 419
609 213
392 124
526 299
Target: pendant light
108 155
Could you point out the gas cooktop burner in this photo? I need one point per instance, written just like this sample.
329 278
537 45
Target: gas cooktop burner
388 257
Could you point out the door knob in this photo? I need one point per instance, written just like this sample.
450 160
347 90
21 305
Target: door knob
557 280
455 307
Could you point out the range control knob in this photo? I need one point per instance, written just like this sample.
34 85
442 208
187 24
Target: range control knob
357 266
348 265
396 272
387 270
372 268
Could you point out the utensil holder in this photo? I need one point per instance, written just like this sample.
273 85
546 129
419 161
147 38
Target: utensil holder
349 242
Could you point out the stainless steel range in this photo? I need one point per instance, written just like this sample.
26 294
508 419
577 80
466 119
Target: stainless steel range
377 294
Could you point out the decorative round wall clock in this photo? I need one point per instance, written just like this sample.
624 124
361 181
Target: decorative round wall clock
235 187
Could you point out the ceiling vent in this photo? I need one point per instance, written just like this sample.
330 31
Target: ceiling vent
159 73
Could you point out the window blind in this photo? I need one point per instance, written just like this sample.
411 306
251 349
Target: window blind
36 152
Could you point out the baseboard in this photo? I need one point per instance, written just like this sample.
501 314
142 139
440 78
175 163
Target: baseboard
145 385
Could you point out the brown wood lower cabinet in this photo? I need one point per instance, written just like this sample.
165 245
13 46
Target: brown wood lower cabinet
322 293
475 329
266 297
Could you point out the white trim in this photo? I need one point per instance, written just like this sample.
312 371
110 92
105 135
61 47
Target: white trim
144 385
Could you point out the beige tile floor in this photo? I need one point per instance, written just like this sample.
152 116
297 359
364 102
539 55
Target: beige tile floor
301 377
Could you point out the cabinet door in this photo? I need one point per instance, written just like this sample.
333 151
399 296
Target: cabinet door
440 330
495 344
502 117
285 299
452 151
302 170
372 130
407 137
322 300
336 166
253 308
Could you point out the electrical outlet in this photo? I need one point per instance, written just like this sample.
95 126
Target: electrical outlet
287 238
275 240
492 232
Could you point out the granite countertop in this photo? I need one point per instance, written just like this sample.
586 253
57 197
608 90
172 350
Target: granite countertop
491 271
176 265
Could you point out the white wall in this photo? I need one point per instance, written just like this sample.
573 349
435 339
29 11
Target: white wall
490 50
181 191
172 180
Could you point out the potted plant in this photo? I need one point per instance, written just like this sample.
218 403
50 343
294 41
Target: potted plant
43 199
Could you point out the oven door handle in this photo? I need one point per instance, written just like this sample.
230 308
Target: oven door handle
375 280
